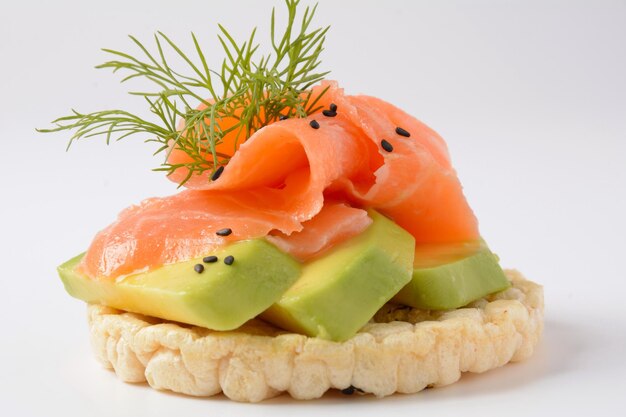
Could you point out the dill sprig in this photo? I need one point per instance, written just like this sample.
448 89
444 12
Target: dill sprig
255 92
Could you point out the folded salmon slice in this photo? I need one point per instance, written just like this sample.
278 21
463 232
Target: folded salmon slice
335 223
279 181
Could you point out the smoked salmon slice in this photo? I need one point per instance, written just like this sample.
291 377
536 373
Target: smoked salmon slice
295 179
335 223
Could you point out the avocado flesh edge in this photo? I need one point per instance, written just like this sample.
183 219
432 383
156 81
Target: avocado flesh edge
451 276
176 292
222 297
341 291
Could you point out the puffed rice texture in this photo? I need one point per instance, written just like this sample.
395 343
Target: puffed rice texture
401 350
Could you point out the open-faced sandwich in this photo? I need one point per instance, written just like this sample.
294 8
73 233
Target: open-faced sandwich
322 240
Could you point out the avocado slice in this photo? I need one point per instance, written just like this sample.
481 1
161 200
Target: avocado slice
451 276
222 297
340 291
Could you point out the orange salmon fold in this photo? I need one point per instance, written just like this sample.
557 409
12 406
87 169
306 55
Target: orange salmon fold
288 173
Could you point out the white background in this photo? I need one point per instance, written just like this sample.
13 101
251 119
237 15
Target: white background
531 97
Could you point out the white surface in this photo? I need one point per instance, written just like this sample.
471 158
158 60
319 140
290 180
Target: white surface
531 97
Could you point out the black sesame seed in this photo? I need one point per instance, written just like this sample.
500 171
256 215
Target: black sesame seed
283 117
314 124
224 232
209 259
199 268
402 132
386 145
217 173
229 260
351 390
329 113
333 107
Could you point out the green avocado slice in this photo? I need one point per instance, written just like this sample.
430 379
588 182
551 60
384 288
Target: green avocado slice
452 276
222 297
342 290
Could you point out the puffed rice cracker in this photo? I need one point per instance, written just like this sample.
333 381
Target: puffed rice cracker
403 350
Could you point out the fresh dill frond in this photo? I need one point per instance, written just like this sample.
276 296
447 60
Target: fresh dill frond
254 92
